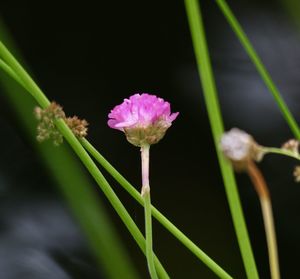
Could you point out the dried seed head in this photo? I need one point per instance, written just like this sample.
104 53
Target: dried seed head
78 126
46 128
240 147
296 173
53 111
291 145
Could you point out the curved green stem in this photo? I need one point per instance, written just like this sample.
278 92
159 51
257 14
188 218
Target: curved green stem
24 77
280 151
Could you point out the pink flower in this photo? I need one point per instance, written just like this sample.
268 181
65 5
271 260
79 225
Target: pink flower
144 118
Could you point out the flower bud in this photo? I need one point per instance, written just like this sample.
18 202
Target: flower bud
240 147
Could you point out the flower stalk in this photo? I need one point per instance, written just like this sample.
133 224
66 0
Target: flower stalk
145 156
145 150
266 207
242 151
280 151
144 119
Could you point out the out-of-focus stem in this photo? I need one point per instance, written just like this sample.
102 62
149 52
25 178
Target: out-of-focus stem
258 180
280 151
266 207
145 150
271 237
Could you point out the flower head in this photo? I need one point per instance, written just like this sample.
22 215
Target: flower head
239 147
47 129
236 144
78 126
291 145
144 118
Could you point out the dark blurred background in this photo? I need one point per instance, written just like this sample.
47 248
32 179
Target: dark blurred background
88 57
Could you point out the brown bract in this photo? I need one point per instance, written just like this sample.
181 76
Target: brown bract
78 126
151 134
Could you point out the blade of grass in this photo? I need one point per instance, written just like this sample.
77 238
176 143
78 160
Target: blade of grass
215 117
76 188
136 195
241 35
74 143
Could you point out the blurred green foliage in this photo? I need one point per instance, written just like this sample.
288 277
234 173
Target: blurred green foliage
73 183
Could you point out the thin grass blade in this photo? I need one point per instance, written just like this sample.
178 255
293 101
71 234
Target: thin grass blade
216 122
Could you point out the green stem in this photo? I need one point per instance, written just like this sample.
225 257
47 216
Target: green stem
145 153
36 92
156 214
274 150
159 216
27 81
148 235
10 72
215 117
259 65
